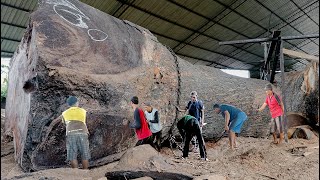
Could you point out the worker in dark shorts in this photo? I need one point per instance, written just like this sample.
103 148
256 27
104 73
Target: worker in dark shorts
76 133
188 127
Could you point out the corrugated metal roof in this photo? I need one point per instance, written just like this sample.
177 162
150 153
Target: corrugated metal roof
14 19
194 28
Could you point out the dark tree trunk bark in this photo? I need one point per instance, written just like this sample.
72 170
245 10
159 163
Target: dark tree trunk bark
302 94
74 49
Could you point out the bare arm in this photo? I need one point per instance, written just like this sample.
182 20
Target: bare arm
186 110
282 106
264 105
227 119
181 110
202 117
57 120
62 119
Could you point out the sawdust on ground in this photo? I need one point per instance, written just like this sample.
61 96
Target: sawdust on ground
253 159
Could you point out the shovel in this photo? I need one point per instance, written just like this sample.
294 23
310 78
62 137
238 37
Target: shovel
220 137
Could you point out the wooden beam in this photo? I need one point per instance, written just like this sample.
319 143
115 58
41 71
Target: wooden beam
301 55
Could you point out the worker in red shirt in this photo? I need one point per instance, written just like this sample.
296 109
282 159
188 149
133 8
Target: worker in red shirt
276 109
140 124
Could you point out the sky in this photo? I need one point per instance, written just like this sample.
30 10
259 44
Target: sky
4 61
240 73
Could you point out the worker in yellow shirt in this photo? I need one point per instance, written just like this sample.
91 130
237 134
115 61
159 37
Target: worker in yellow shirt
77 133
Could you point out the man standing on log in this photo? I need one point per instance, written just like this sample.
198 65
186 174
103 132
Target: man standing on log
153 118
276 109
77 133
234 119
188 127
140 124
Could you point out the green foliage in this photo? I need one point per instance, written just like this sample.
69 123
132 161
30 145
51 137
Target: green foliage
4 84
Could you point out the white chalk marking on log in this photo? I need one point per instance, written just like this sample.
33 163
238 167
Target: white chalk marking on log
68 4
79 18
79 15
81 23
98 31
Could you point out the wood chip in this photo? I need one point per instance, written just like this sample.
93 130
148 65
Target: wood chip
267 176
307 153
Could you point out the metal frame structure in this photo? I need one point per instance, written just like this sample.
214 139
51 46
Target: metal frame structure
13 25
196 41
184 27
267 30
276 41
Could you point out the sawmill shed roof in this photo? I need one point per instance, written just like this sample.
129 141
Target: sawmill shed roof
194 28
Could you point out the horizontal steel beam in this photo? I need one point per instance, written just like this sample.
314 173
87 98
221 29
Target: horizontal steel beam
9 39
14 25
15 7
202 48
207 18
181 25
10 52
306 14
265 29
282 19
259 40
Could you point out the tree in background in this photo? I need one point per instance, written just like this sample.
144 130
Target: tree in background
4 82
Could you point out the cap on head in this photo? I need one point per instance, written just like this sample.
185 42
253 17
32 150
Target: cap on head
148 103
268 87
216 106
72 100
135 100
193 93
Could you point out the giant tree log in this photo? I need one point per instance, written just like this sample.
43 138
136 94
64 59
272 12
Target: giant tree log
302 94
70 48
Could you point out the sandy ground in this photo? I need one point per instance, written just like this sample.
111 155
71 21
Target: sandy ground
253 159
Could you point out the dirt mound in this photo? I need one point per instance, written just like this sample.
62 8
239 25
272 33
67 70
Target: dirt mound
145 158
252 155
